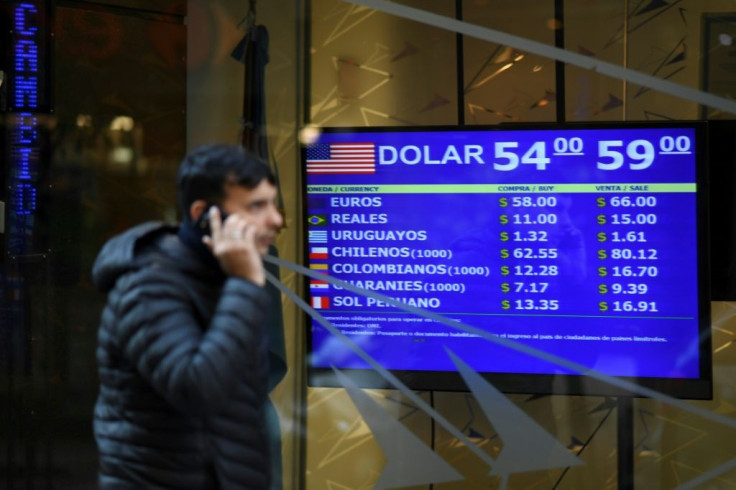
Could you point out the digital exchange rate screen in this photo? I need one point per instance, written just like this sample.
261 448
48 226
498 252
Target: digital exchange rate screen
581 242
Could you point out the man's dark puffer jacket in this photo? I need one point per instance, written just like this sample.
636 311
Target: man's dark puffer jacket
182 360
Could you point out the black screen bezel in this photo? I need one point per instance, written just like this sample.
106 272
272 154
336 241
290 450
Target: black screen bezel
699 388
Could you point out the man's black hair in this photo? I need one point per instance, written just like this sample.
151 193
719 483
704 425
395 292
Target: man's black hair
204 173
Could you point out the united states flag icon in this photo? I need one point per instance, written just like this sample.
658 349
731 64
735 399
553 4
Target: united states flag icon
341 158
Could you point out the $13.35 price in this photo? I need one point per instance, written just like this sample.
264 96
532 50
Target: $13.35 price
531 304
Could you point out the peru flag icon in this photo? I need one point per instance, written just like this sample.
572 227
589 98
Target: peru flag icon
320 302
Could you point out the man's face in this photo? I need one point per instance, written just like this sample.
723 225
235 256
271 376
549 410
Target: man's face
258 207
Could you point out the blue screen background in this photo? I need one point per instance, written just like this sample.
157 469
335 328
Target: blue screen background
649 328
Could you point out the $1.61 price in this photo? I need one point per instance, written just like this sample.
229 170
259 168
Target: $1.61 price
615 236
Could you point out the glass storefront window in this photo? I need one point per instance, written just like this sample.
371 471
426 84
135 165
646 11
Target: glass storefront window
96 115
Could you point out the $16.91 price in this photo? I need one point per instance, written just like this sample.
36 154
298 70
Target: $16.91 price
628 306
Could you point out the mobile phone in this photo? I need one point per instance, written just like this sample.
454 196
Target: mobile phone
202 225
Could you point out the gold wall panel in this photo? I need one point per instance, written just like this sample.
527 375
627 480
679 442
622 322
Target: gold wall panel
590 96
370 69
504 84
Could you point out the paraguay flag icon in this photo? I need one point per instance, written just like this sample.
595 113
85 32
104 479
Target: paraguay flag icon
316 285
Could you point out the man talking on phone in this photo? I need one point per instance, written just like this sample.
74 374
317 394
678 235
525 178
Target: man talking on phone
182 347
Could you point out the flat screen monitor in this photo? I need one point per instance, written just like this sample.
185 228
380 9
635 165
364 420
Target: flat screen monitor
584 241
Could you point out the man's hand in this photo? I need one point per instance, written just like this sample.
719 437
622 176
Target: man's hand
233 243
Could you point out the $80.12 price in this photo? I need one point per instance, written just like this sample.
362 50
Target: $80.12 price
629 254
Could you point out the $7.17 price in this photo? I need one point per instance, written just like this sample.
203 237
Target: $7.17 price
524 287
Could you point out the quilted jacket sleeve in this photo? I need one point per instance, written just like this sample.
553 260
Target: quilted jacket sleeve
193 369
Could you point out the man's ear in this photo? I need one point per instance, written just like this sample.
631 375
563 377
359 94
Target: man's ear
197 208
